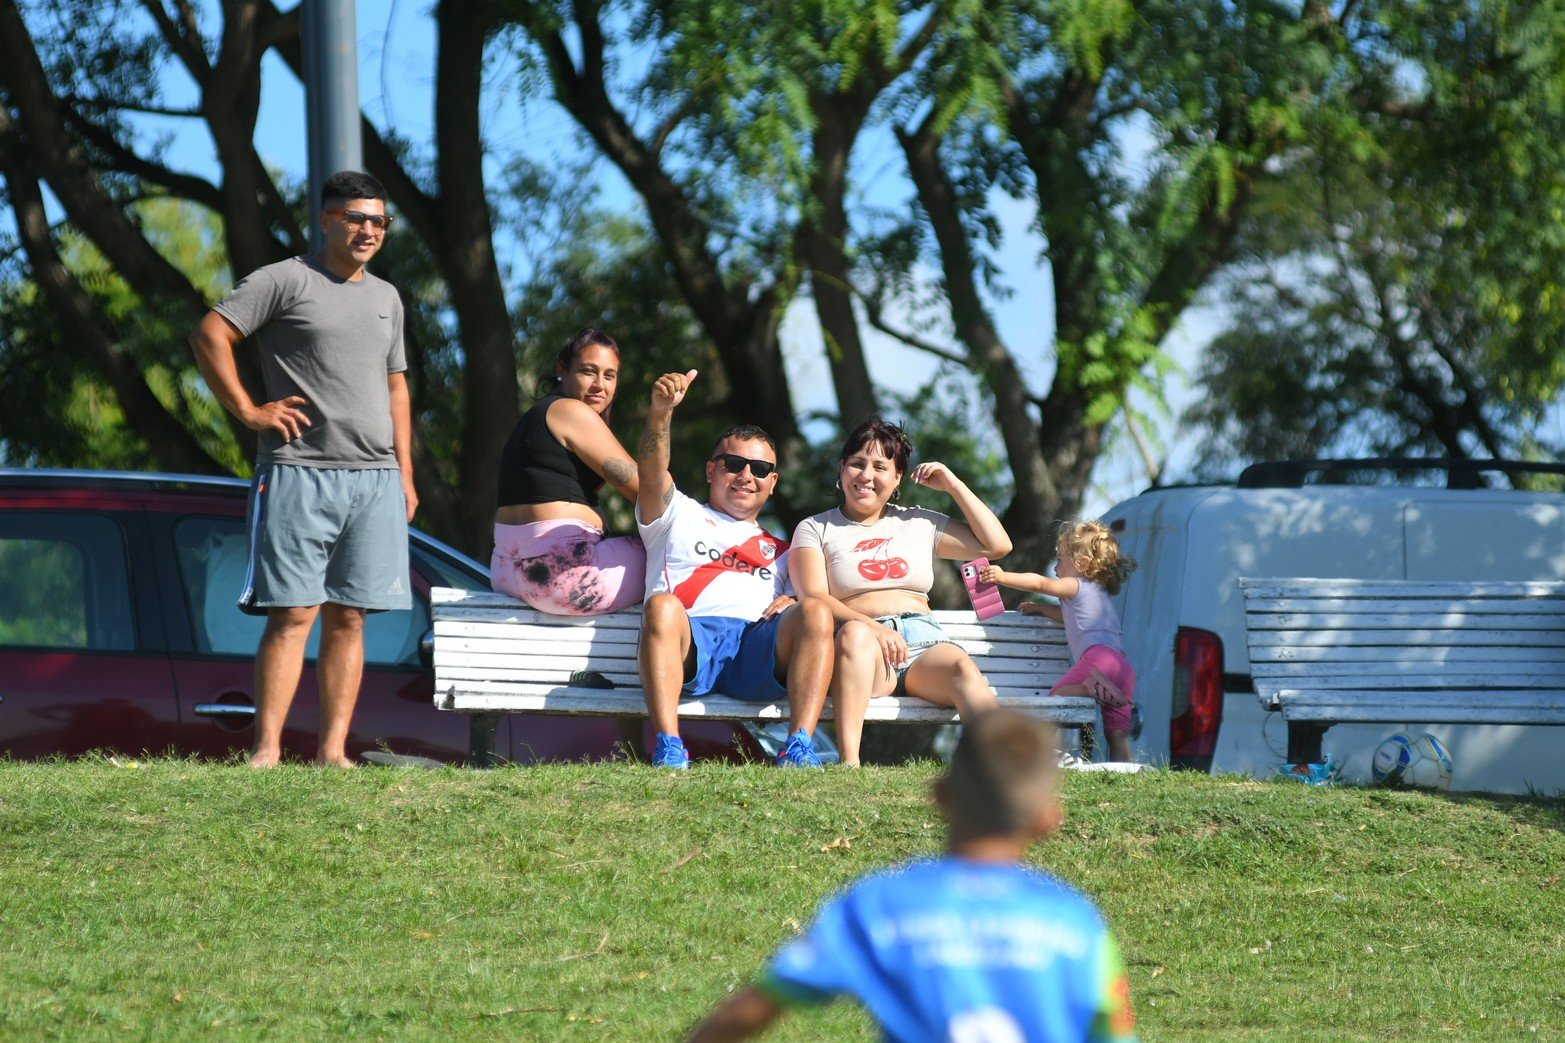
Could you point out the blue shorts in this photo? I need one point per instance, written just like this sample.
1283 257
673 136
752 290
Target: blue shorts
921 633
326 534
736 658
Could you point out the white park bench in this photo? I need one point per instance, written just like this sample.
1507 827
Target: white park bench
494 655
1331 651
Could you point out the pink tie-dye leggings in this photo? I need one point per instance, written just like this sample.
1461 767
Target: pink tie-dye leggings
566 567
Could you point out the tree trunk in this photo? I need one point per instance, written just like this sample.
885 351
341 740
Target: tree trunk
465 249
823 246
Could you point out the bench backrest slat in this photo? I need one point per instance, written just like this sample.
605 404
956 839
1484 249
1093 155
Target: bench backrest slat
1399 589
1346 619
1393 651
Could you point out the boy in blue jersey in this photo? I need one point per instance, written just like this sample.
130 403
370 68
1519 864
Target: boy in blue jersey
972 947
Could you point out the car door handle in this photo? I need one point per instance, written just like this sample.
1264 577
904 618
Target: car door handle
225 710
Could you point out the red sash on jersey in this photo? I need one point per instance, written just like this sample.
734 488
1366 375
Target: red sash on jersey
747 557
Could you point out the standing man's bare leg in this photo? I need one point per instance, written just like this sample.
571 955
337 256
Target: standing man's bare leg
338 674
665 644
806 642
278 663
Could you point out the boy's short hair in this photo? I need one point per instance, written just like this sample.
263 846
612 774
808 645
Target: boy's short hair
1001 775
350 184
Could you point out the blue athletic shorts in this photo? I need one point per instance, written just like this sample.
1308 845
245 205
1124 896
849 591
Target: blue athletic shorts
327 534
736 658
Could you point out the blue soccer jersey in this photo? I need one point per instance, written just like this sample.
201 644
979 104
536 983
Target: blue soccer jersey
962 952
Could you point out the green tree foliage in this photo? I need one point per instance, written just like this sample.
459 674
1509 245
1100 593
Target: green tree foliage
60 411
1137 133
855 156
1414 305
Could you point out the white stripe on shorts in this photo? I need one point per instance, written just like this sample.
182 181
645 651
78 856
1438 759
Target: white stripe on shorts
255 534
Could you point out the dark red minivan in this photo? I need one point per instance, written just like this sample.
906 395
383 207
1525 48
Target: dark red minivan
119 633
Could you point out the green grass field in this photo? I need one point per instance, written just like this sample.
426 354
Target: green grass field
172 900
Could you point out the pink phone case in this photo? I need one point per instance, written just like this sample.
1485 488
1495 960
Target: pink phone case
984 596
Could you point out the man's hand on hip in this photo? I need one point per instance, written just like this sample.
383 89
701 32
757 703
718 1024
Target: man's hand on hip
285 416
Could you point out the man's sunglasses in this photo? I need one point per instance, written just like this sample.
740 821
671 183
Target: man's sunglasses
358 219
734 464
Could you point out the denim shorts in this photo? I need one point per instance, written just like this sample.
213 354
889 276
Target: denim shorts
921 633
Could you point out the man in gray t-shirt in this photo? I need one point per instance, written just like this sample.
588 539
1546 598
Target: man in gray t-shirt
333 489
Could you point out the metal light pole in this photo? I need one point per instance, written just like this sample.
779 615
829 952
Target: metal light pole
331 96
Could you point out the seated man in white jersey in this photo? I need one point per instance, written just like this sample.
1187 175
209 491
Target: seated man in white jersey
719 615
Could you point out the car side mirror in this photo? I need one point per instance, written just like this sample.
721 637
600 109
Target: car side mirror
426 648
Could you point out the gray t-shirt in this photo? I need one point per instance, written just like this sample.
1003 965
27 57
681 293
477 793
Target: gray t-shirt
331 341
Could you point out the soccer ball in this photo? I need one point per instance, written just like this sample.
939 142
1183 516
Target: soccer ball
1401 760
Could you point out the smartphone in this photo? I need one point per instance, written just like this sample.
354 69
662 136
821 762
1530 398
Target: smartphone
984 596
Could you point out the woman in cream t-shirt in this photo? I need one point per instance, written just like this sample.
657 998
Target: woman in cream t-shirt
873 563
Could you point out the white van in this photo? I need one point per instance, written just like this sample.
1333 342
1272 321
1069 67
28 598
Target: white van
1183 614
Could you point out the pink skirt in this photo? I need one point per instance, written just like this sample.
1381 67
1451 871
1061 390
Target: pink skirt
566 567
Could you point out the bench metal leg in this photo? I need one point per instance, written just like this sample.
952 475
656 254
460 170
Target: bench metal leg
480 742
629 730
1304 741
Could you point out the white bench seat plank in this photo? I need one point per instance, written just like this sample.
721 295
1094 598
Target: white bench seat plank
1473 707
484 696
1047 656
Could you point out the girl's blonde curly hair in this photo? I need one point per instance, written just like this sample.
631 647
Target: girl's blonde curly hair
1096 554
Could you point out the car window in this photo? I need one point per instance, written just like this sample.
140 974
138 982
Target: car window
213 558
443 572
64 582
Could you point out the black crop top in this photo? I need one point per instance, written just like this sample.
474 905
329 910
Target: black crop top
536 468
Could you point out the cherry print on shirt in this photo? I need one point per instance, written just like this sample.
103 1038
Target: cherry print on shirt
880 567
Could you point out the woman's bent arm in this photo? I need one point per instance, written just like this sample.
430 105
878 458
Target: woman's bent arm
981 534
589 439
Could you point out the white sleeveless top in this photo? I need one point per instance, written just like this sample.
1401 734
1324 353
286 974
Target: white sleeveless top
1090 619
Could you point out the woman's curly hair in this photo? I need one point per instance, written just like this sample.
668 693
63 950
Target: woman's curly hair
1096 553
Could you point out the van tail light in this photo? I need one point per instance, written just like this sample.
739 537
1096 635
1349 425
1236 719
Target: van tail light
1198 697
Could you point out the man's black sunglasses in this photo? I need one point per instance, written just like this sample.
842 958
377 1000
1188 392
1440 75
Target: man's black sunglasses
358 219
734 464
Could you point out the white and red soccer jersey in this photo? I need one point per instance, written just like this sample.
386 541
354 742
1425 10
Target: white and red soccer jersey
715 565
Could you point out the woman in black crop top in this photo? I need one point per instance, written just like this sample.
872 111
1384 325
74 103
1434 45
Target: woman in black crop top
550 550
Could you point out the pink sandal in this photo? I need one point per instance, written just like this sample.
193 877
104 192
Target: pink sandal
1105 691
